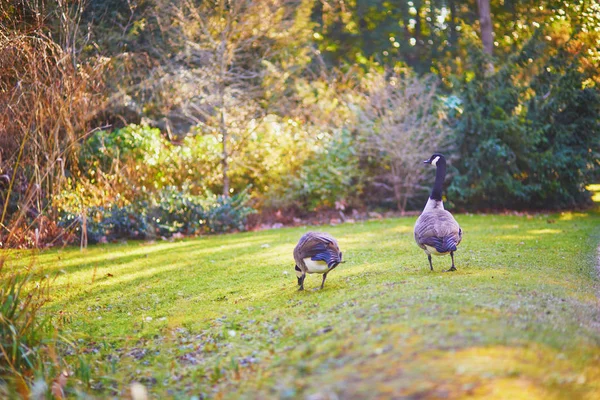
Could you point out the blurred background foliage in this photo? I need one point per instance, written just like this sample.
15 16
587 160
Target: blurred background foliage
149 118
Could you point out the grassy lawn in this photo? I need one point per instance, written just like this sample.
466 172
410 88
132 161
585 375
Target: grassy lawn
221 316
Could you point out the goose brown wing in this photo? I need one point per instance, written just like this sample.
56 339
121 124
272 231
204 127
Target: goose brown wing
318 247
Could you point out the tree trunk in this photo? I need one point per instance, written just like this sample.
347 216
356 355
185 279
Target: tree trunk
84 238
434 47
452 24
404 202
512 7
222 51
404 47
418 25
485 22
224 155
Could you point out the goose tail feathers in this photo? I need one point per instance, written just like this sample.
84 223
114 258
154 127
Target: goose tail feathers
448 244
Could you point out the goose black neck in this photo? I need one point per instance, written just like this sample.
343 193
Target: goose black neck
440 175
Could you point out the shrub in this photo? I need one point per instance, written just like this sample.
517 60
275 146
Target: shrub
329 174
177 211
401 123
140 142
139 160
116 222
225 214
171 211
527 143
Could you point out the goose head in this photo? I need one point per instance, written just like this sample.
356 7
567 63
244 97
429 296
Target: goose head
434 159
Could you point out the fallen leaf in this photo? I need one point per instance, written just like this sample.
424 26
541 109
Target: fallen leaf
59 384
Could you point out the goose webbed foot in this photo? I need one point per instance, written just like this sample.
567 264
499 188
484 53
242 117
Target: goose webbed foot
430 264
452 268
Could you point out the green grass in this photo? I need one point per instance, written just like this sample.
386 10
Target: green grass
221 316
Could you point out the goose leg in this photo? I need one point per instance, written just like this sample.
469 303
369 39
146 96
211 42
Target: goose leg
453 268
301 281
324 277
430 264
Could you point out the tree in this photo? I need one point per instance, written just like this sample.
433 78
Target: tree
528 134
223 51
485 24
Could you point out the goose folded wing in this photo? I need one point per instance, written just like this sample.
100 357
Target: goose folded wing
321 250
441 244
329 256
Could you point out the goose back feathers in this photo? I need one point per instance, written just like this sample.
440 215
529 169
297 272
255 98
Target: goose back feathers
316 252
437 232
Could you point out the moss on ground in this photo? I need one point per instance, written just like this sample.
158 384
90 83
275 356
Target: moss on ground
221 316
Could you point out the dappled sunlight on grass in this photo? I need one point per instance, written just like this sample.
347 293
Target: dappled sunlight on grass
544 231
595 189
383 325
517 237
509 372
499 372
572 215
509 226
72 256
402 229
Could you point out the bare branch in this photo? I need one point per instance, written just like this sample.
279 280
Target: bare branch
402 126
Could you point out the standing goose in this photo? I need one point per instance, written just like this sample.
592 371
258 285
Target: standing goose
316 253
436 230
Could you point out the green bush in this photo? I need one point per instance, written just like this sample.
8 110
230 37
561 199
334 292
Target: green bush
526 143
140 142
177 211
145 162
171 211
115 222
329 174
567 128
224 214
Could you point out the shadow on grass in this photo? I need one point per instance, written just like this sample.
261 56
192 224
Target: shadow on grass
517 372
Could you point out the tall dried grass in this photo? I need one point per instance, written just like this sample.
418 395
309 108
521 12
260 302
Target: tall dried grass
48 98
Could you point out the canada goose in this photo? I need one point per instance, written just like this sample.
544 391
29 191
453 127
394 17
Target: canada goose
316 253
436 230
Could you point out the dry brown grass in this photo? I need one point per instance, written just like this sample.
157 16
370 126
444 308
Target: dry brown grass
48 99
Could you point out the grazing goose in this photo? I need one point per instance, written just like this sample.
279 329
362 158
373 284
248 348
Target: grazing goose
436 230
316 253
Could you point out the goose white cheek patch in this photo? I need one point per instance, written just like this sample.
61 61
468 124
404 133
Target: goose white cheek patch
434 162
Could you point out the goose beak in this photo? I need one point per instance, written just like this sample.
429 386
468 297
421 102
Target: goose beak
427 162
